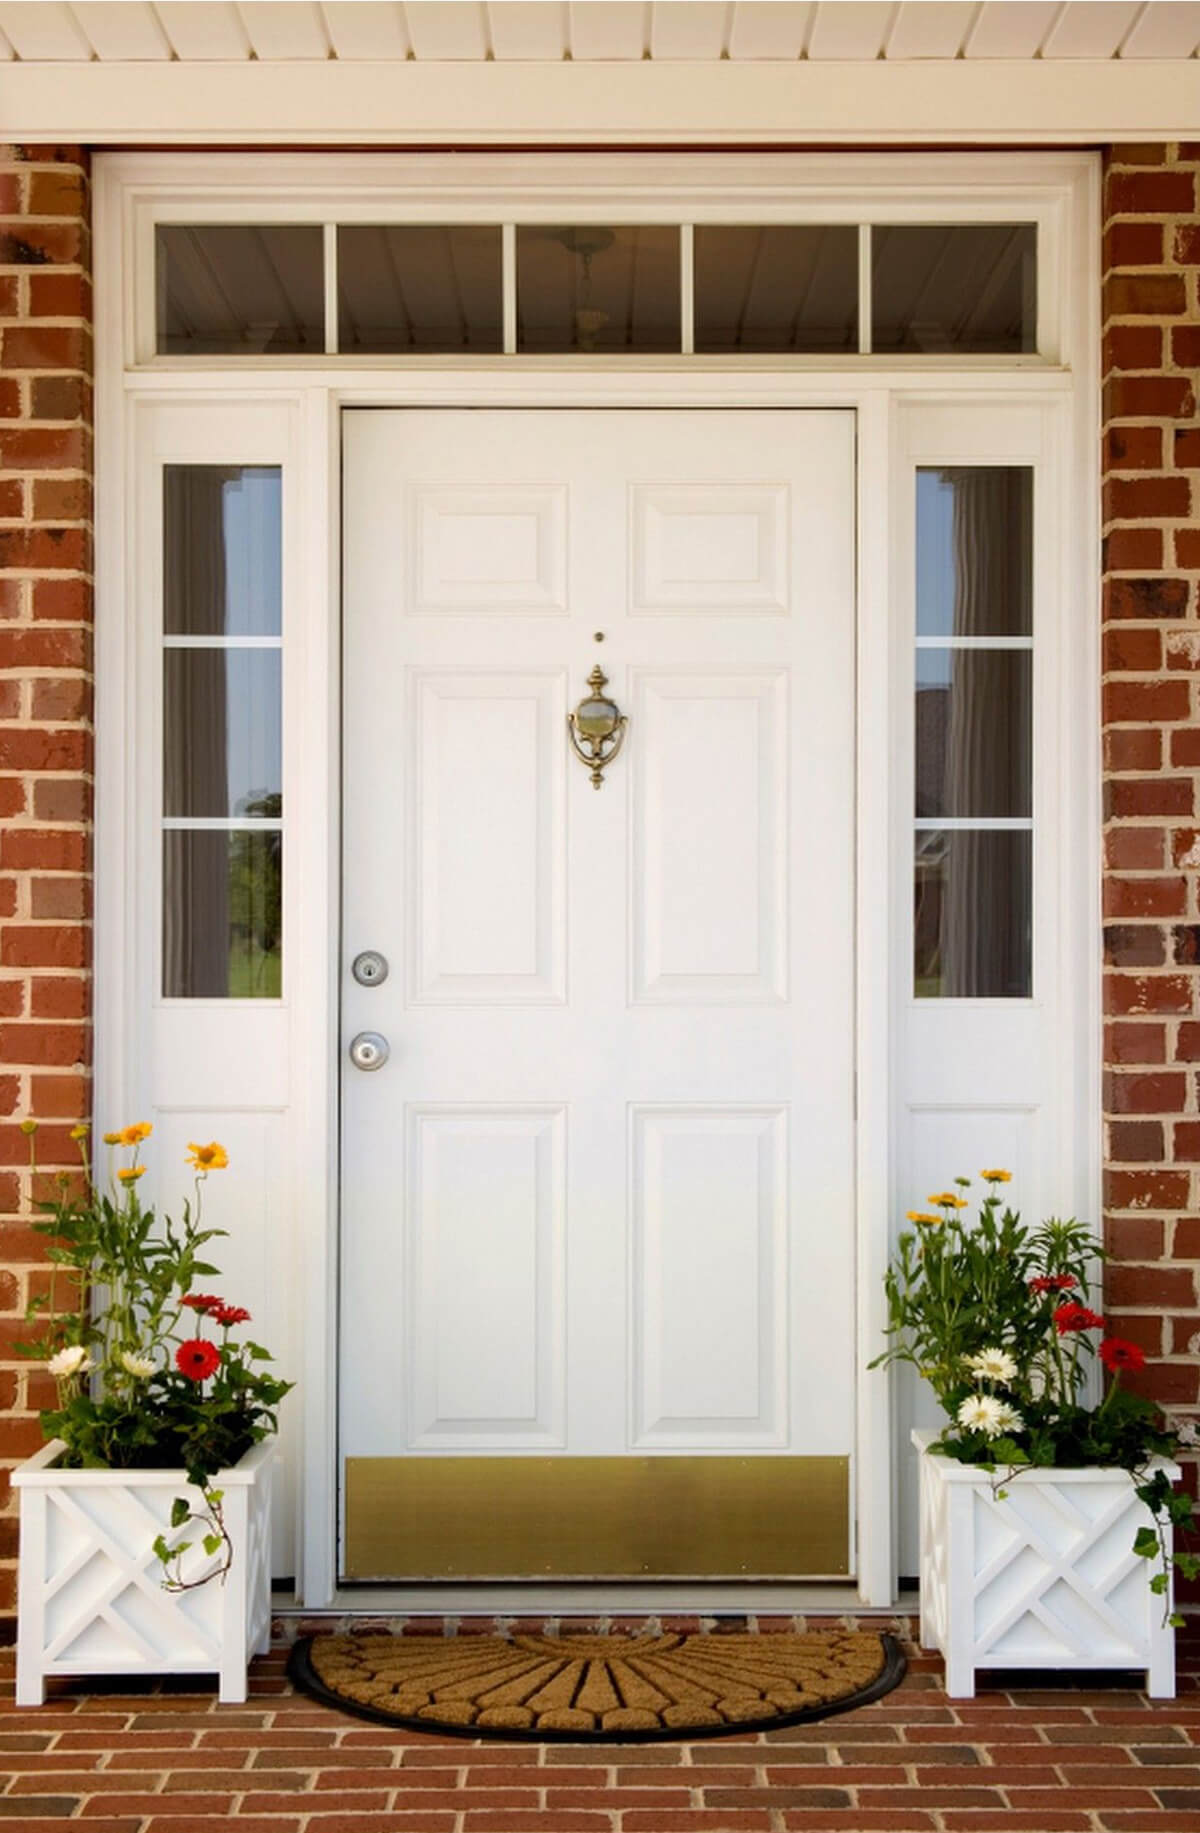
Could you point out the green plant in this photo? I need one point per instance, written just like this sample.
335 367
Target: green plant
995 1316
139 1384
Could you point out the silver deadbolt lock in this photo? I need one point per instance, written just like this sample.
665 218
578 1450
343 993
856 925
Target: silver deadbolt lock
369 1050
370 969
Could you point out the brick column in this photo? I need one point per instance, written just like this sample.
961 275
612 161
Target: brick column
1151 666
45 728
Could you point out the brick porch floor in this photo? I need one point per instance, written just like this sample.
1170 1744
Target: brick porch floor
1020 1759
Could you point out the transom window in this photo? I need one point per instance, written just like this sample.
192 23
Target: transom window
831 289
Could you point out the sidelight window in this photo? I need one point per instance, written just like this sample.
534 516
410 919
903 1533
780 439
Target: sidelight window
974 732
222 753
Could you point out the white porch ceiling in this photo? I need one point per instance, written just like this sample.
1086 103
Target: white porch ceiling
594 32
433 71
610 31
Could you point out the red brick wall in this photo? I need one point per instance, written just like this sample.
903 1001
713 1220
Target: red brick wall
1151 666
45 724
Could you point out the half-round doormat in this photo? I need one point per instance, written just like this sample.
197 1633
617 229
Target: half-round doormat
579 1687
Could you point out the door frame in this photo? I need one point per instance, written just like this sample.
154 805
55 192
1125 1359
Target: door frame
300 407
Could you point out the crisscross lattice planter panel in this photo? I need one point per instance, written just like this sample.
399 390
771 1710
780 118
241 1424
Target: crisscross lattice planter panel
91 1594
1037 1571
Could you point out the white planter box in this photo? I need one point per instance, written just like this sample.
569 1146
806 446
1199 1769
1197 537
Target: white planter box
90 1598
1044 1578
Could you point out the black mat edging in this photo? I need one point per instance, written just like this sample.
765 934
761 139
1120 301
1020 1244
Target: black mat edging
303 1675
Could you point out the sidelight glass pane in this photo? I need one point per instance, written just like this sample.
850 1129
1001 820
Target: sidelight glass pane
776 287
974 732
974 550
967 288
591 288
222 913
240 289
222 550
972 914
222 747
419 287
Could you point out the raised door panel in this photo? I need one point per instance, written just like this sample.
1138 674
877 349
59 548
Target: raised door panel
709 1217
709 878
488 846
709 547
488 548
486 1248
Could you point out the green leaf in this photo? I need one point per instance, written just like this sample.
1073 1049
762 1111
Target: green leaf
1175 1621
1158 1583
161 1550
1145 1543
179 1511
212 1543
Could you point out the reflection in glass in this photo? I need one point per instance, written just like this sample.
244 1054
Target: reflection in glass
974 550
776 287
222 913
419 287
222 751
240 289
972 914
964 287
222 550
974 726
592 288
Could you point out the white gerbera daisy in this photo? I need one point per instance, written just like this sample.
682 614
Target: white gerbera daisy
992 1365
74 1360
1010 1419
981 1413
141 1366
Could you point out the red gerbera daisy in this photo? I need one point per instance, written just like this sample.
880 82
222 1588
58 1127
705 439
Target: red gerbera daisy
1053 1282
197 1359
202 1301
1118 1352
1076 1317
230 1314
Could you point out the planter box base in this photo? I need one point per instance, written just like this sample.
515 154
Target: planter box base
91 1599
1043 1576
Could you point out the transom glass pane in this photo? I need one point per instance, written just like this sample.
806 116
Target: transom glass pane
776 287
240 289
593 288
419 287
965 287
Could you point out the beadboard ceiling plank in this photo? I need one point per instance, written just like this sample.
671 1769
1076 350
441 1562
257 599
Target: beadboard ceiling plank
285 31
1090 28
933 28
1011 29
1166 29
762 30
42 32
366 30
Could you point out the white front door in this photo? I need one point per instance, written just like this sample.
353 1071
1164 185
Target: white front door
598 1202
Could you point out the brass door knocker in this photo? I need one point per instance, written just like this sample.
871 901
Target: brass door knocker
596 728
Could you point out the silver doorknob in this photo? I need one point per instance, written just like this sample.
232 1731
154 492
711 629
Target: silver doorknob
369 1050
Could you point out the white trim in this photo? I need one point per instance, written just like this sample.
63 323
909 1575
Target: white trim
128 188
1067 102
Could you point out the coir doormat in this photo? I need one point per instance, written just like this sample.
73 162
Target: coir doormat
579 1687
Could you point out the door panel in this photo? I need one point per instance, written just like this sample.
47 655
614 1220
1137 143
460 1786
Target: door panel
598 1203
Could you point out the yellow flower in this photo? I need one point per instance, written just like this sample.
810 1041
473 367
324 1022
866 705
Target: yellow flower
134 1135
29 1126
946 1199
923 1220
212 1157
129 1173
79 1132
997 1177
112 1139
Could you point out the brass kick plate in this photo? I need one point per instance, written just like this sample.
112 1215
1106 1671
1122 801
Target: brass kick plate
597 1517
